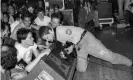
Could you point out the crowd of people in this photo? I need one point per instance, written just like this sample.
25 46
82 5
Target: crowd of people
23 29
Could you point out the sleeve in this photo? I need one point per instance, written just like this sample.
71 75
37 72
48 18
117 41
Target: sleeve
13 35
35 21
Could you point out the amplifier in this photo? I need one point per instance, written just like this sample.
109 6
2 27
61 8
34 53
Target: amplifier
54 67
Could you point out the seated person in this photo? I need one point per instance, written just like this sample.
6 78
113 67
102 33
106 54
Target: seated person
41 19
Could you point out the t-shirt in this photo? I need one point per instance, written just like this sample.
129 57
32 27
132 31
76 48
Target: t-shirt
25 53
13 25
44 22
69 33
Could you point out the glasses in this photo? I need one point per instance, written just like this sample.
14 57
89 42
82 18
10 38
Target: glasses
48 41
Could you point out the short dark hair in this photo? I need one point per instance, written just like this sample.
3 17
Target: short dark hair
26 14
8 57
40 10
44 30
5 13
56 15
22 34
55 6
3 26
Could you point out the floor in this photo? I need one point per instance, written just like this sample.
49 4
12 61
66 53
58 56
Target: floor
118 40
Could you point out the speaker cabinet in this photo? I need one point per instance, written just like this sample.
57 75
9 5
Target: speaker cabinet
53 67
68 18
105 10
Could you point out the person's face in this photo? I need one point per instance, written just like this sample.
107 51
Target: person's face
6 32
4 7
29 40
5 18
41 15
31 9
11 10
48 37
27 21
55 22
56 10
51 10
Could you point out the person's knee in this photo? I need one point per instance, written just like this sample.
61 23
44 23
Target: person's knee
82 65
81 69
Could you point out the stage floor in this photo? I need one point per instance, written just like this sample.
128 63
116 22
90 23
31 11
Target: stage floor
118 40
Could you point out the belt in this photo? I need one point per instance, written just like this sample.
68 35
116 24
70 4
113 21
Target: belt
82 35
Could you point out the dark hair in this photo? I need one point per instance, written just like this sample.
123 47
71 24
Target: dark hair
22 34
86 1
44 30
8 57
11 5
56 15
5 13
40 10
131 4
55 6
26 14
3 26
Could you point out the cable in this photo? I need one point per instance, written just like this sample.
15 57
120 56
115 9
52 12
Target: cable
106 65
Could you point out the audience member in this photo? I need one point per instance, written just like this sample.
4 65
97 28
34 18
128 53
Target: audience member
8 57
11 12
56 10
28 55
26 23
4 6
41 19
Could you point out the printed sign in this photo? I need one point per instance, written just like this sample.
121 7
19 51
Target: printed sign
45 76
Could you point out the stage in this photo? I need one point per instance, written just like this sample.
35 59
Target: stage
118 40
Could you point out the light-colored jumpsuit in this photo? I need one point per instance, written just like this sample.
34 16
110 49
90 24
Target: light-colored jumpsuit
88 45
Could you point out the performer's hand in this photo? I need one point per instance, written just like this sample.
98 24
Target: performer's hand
45 52
69 49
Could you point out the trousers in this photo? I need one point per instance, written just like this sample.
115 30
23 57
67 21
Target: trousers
92 46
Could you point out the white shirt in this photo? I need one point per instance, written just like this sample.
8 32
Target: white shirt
25 53
44 22
69 33
13 25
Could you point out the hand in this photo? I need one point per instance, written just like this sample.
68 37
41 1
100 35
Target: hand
46 52
42 47
69 49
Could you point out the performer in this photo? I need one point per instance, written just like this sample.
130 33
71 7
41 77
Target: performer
85 43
